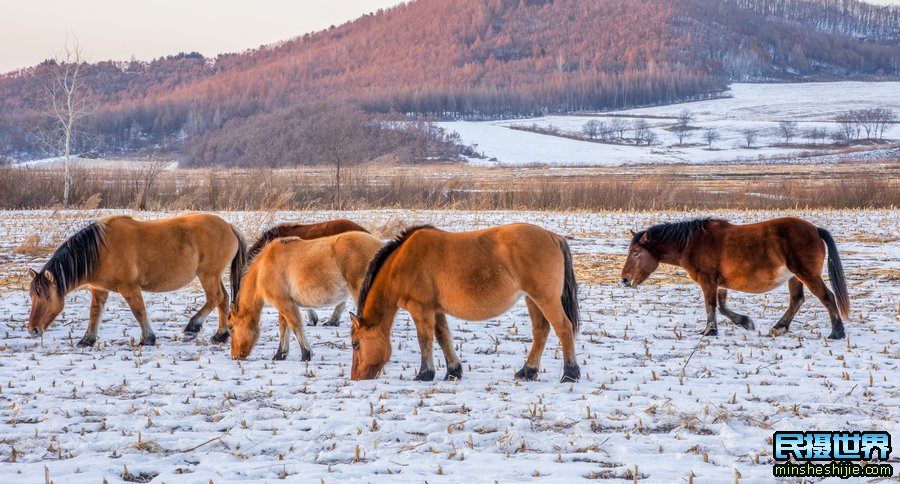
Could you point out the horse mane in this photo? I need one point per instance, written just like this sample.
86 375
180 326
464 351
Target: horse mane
379 260
679 233
72 262
269 235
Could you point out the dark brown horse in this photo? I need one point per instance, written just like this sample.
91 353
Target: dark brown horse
308 232
471 275
752 258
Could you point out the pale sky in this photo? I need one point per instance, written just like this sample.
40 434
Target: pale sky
34 30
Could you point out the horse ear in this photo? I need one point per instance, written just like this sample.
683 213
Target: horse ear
354 322
33 273
631 232
49 277
645 238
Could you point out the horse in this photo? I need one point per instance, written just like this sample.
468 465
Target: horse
754 258
124 255
293 272
308 232
469 275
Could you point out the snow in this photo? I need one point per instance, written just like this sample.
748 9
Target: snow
185 412
755 106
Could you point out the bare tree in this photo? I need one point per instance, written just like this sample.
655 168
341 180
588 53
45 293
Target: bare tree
618 126
682 127
788 130
640 127
591 129
750 135
339 140
69 104
650 137
711 135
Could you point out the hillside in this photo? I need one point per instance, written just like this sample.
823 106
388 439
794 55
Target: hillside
459 59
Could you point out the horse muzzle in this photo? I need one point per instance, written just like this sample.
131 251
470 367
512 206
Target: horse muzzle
35 332
626 282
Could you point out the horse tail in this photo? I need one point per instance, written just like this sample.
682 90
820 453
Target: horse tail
237 265
836 274
570 287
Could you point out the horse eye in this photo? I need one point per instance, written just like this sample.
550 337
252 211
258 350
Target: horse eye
637 254
355 346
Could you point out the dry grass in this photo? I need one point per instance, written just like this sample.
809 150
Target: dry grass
32 247
647 187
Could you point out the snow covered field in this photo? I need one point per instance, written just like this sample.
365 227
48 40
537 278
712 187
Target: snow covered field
755 106
185 412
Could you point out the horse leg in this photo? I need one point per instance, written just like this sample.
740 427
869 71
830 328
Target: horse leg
313 317
224 315
136 302
335 319
445 340
294 320
283 339
562 326
709 296
425 326
784 324
738 319
212 288
98 302
540 328
816 285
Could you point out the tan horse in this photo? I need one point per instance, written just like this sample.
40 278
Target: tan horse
308 232
469 275
293 272
127 256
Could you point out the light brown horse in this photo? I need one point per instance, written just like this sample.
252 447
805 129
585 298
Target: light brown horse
293 272
127 256
469 275
752 258
309 232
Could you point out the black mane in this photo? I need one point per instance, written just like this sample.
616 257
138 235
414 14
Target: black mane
379 260
269 235
72 262
672 232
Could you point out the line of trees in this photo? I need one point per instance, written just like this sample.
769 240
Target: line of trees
871 121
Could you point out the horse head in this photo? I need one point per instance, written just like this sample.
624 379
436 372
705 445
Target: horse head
46 301
640 262
371 349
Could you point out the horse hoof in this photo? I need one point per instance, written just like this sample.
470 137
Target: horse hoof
220 338
148 340
189 336
835 334
710 332
527 373
87 342
280 356
332 322
454 372
778 330
571 374
305 355
427 375
746 323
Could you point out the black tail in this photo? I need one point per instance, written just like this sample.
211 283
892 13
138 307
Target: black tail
836 274
237 266
570 288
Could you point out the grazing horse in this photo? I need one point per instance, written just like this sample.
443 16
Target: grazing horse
124 255
748 258
469 275
293 272
309 232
